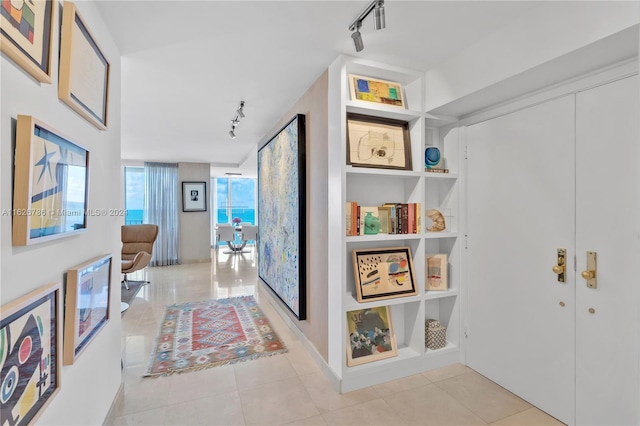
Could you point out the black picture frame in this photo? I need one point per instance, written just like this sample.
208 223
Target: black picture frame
281 215
194 196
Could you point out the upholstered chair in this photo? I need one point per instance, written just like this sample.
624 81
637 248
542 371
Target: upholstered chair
137 247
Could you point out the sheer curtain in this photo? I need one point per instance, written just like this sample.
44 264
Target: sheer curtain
161 208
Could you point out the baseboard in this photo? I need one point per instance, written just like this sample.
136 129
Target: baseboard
111 414
319 360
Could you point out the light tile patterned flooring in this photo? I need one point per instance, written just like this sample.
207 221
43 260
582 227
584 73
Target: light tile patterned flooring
289 388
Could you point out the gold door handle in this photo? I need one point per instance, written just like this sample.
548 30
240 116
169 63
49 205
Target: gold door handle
591 273
560 269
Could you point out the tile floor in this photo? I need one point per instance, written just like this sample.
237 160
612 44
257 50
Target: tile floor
289 388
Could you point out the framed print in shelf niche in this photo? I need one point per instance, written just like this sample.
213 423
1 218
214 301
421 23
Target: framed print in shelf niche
30 354
88 292
281 215
194 196
436 272
383 273
51 184
370 335
26 30
378 142
84 70
375 90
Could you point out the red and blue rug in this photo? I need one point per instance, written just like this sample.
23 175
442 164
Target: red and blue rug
205 334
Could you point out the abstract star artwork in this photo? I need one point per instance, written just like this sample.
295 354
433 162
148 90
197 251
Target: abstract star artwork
30 354
50 185
281 215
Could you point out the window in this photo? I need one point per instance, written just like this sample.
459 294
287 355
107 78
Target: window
134 195
236 198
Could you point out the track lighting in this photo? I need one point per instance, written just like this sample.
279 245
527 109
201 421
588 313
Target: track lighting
236 120
377 6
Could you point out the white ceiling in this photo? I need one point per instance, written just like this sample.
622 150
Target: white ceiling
187 64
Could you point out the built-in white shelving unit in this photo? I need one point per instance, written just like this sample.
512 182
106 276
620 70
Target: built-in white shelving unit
370 187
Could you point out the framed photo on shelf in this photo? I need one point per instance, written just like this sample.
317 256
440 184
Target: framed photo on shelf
282 215
31 353
375 90
51 184
88 292
370 335
84 70
383 273
26 30
194 196
378 142
436 278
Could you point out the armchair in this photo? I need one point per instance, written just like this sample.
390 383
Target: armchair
137 248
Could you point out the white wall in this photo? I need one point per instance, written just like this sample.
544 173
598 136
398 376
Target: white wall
195 227
548 32
90 385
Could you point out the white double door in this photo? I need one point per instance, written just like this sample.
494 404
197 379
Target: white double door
561 174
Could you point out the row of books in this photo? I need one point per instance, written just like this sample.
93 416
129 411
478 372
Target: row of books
394 218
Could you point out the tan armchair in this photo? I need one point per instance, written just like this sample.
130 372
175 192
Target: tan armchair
137 247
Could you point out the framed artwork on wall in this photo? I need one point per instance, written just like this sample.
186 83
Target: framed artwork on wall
436 272
84 70
88 292
281 215
370 335
378 142
51 184
383 273
26 29
375 90
30 354
194 196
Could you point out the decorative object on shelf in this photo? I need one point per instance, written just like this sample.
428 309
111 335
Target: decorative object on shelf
84 70
194 196
236 120
377 6
383 273
435 334
436 272
378 142
88 291
433 159
384 216
30 354
25 36
370 335
370 220
281 215
51 184
437 218
376 90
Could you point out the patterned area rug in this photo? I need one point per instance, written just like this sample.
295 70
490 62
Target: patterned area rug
199 335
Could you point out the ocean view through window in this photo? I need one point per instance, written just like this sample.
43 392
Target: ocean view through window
134 195
235 198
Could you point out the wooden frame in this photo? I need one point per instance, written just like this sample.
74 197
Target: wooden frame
370 335
376 90
383 273
87 304
194 196
30 354
84 70
282 215
51 184
436 272
26 36
378 142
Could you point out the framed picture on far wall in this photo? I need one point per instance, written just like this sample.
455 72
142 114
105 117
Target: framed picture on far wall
370 335
281 215
88 291
194 196
26 29
50 185
30 354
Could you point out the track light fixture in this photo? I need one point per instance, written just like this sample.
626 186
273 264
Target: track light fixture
377 6
236 120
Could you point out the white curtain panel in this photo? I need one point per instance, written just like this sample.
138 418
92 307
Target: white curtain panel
161 208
